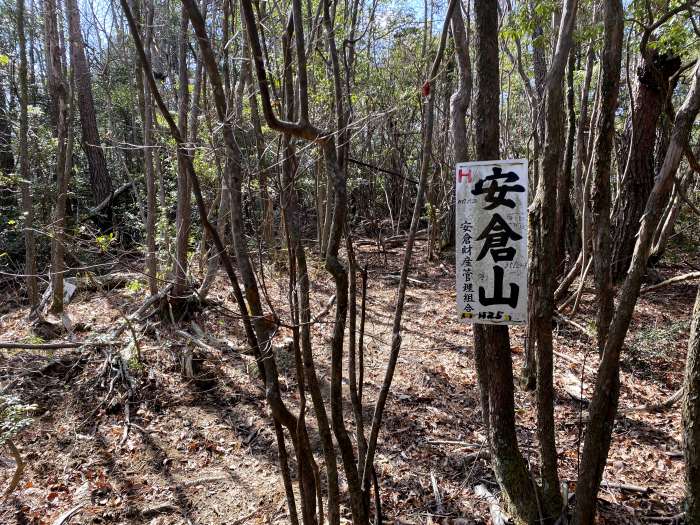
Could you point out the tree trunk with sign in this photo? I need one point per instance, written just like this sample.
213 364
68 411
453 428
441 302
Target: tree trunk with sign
492 343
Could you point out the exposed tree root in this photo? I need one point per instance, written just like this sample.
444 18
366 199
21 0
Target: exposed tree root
18 469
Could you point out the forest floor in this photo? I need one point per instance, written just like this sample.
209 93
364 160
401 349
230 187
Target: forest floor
203 452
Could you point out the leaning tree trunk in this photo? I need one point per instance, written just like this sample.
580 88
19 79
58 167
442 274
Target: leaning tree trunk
100 180
426 161
607 390
691 419
638 179
665 229
266 366
583 127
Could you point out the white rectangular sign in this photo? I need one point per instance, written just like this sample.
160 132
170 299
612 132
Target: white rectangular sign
491 241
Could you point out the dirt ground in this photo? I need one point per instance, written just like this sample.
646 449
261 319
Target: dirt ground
204 452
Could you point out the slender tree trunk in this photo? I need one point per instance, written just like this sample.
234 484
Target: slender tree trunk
665 229
252 303
52 56
539 64
602 157
145 19
426 161
337 173
7 159
459 103
265 208
691 419
458 110
182 213
58 93
266 366
567 233
148 143
25 176
63 171
100 180
583 127
543 247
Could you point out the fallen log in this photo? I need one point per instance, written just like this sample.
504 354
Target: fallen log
66 516
498 517
574 387
11 345
157 509
19 468
397 240
575 361
656 407
678 518
397 278
93 212
560 317
89 283
672 280
626 487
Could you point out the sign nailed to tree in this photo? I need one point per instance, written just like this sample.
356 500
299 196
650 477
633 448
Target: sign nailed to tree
491 241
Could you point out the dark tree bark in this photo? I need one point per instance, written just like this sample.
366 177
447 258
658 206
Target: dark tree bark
266 366
58 94
7 159
613 16
459 103
638 178
567 233
607 390
581 149
667 226
492 343
539 65
100 180
542 264
54 61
